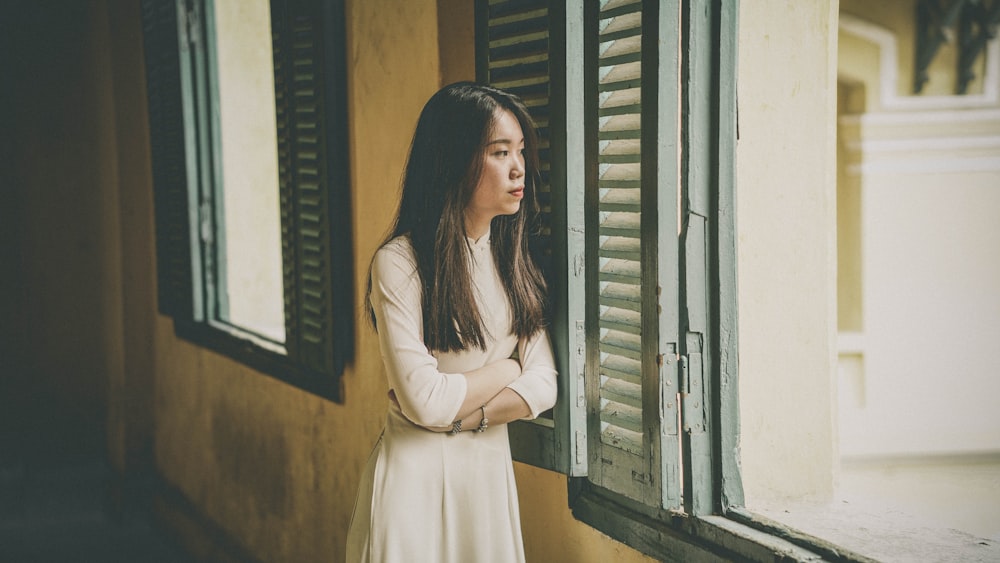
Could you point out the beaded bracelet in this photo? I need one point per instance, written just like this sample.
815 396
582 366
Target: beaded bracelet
456 427
484 423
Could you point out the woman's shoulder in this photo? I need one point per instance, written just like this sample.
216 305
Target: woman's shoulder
395 258
396 249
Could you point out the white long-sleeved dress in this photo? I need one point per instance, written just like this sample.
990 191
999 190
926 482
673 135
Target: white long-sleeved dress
433 497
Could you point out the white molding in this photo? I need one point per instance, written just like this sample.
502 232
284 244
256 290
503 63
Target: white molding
850 343
882 146
921 165
951 115
889 72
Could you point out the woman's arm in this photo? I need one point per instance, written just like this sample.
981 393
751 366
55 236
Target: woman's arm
538 384
506 406
483 385
426 396
532 393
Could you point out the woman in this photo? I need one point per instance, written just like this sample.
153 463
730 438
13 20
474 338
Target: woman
458 305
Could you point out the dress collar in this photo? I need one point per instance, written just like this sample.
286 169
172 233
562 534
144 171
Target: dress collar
480 243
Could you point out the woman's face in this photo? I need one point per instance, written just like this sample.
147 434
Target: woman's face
501 184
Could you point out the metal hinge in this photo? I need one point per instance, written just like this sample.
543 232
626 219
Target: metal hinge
665 361
692 411
685 376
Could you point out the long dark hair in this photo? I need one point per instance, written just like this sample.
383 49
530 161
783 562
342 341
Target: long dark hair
443 169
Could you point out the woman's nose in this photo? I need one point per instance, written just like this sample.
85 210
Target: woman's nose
518 170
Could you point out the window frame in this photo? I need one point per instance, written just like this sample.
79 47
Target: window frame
180 55
713 523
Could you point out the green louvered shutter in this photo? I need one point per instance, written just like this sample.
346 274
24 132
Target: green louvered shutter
524 47
632 248
315 247
171 124
513 52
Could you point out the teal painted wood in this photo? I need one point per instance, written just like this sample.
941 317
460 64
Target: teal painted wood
213 229
663 145
666 539
698 181
540 68
192 152
652 378
567 179
204 158
174 159
620 452
710 407
727 353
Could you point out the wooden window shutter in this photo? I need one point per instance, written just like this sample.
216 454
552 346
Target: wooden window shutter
522 47
632 249
315 219
171 123
709 349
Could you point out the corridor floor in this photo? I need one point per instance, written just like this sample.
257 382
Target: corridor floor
56 510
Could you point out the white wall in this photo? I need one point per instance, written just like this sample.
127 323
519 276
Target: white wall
786 210
925 372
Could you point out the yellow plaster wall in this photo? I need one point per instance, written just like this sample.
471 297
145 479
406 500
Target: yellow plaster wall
849 272
275 467
133 296
61 311
899 17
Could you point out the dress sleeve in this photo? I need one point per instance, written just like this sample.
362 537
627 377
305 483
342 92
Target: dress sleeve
426 396
537 384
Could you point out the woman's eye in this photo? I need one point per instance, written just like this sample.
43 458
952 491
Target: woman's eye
502 154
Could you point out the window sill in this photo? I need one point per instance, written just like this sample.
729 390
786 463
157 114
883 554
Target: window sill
806 533
672 536
882 534
258 358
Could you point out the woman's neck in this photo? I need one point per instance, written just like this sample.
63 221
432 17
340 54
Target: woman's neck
475 230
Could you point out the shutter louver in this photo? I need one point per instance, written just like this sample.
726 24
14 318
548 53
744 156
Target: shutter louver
170 121
621 447
522 48
286 200
304 184
517 55
307 46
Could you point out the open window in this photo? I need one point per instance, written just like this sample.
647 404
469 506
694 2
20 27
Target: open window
247 111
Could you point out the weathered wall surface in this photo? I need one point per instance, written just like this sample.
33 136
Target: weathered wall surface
786 217
275 467
61 340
